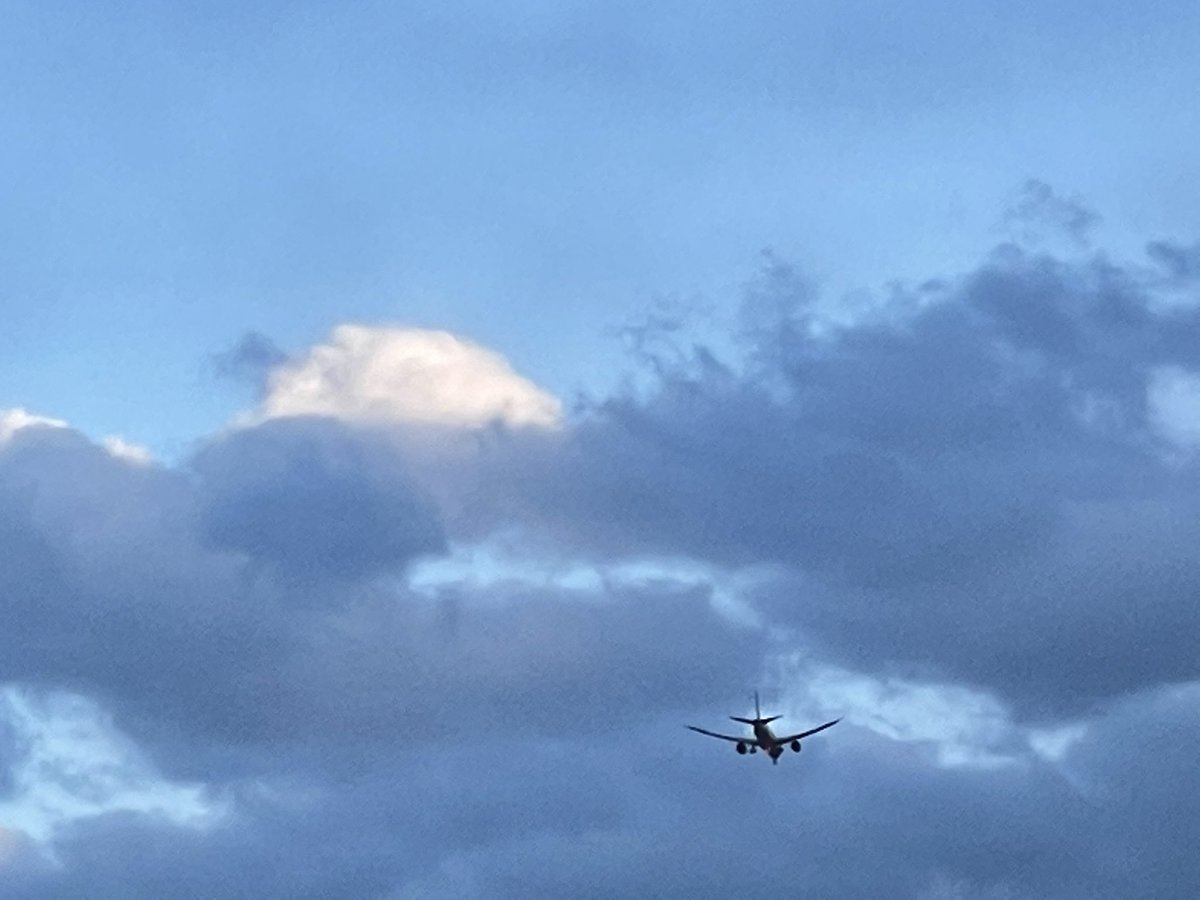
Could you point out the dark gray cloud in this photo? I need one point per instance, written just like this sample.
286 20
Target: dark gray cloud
1180 262
113 587
108 590
311 498
388 673
649 811
973 479
250 360
1134 766
12 748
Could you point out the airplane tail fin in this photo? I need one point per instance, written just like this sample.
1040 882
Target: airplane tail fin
758 716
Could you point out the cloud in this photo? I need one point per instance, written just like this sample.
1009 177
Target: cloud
259 601
987 463
311 497
963 727
11 844
955 517
1039 211
13 420
686 831
1133 766
16 419
1181 263
250 359
73 765
107 587
1022 830
502 817
407 375
1173 395
134 453
229 683
22 864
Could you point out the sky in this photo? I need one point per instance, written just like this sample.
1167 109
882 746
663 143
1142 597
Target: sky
412 416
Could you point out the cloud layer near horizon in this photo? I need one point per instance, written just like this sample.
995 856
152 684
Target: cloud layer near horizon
977 484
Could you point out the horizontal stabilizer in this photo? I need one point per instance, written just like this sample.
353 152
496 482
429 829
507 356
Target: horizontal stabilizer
754 721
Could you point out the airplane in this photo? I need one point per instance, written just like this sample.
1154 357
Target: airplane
763 738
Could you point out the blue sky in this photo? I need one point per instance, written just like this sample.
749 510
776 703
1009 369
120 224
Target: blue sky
534 175
886 325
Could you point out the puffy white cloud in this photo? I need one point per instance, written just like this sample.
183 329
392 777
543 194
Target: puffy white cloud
409 375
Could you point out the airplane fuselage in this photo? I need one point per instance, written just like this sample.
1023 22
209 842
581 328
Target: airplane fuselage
766 740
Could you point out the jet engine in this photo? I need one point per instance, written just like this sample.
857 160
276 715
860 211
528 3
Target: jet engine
741 748
795 746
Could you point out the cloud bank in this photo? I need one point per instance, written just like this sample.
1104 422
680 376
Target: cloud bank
965 517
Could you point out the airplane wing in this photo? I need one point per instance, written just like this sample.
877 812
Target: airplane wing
795 737
748 741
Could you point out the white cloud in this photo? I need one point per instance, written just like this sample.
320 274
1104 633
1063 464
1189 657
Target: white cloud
1054 743
966 728
76 765
1174 397
945 887
409 375
496 562
123 449
13 420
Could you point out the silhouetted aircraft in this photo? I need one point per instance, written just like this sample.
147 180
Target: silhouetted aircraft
763 738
